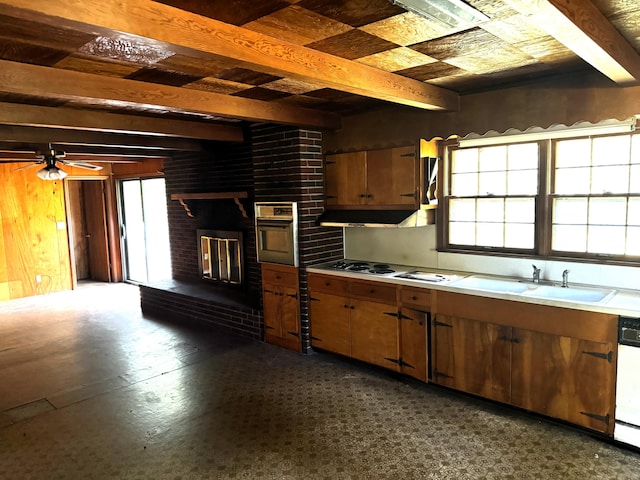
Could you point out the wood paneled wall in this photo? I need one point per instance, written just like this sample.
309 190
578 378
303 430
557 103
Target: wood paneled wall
567 100
33 235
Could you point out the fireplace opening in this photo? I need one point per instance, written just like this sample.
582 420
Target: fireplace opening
220 256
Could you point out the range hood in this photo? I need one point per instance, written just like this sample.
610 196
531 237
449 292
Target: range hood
377 218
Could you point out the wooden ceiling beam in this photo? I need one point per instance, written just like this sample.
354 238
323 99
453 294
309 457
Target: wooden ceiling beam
78 119
91 89
191 34
27 150
581 27
42 136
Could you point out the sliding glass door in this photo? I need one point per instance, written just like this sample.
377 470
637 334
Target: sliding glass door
145 230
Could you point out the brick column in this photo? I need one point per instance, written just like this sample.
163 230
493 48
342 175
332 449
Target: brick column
287 166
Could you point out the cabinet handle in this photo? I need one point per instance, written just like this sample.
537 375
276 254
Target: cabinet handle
292 295
438 374
277 277
346 306
408 195
604 356
295 334
440 324
352 307
314 299
372 291
414 298
602 418
327 284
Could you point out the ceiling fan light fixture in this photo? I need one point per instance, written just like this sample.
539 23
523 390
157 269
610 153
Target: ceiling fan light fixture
51 172
451 13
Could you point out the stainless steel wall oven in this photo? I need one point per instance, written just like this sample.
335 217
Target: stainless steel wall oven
277 232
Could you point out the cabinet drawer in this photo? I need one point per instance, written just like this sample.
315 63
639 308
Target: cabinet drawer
328 284
419 297
374 292
280 275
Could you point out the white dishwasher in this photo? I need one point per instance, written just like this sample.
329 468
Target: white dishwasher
627 427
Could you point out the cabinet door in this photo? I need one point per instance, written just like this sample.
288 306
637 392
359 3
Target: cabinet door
345 175
413 343
392 177
565 378
272 310
330 322
374 333
472 356
289 316
281 316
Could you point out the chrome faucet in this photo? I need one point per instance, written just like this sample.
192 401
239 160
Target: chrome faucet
565 279
536 274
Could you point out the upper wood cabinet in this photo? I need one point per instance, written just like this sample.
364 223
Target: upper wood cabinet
387 178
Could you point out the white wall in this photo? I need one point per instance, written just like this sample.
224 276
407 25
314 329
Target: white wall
417 247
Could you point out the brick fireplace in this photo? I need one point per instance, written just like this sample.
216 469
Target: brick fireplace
277 163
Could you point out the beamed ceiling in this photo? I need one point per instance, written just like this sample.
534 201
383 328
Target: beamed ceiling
145 77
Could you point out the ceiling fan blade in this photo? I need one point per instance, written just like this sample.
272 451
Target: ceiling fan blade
26 167
87 166
18 160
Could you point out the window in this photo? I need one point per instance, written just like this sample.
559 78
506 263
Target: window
498 198
596 196
493 196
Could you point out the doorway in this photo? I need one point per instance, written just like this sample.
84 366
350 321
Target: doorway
88 230
145 230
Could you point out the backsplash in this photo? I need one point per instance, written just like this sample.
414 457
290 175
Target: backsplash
417 247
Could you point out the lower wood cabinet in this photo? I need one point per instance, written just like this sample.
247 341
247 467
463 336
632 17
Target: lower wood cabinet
369 321
413 342
330 322
566 372
563 377
374 333
280 297
472 356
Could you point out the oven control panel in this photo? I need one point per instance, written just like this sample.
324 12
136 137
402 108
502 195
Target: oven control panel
629 331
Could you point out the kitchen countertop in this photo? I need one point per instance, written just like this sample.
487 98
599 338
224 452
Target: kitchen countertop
622 302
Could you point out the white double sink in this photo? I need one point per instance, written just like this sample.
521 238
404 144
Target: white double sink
523 288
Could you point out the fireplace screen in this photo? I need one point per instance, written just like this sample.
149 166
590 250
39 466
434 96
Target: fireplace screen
220 256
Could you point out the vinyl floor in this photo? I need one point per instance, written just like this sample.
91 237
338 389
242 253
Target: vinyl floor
91 389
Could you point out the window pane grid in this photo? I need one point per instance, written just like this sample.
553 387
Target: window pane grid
590 206
595 208
596 225
492 197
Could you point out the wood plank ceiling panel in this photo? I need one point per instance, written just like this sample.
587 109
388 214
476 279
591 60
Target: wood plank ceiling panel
96 65
250 50
352 44
297 25
235 12
585 30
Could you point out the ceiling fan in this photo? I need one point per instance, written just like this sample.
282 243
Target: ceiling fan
50 159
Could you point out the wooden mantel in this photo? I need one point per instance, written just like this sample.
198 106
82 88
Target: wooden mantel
236 196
